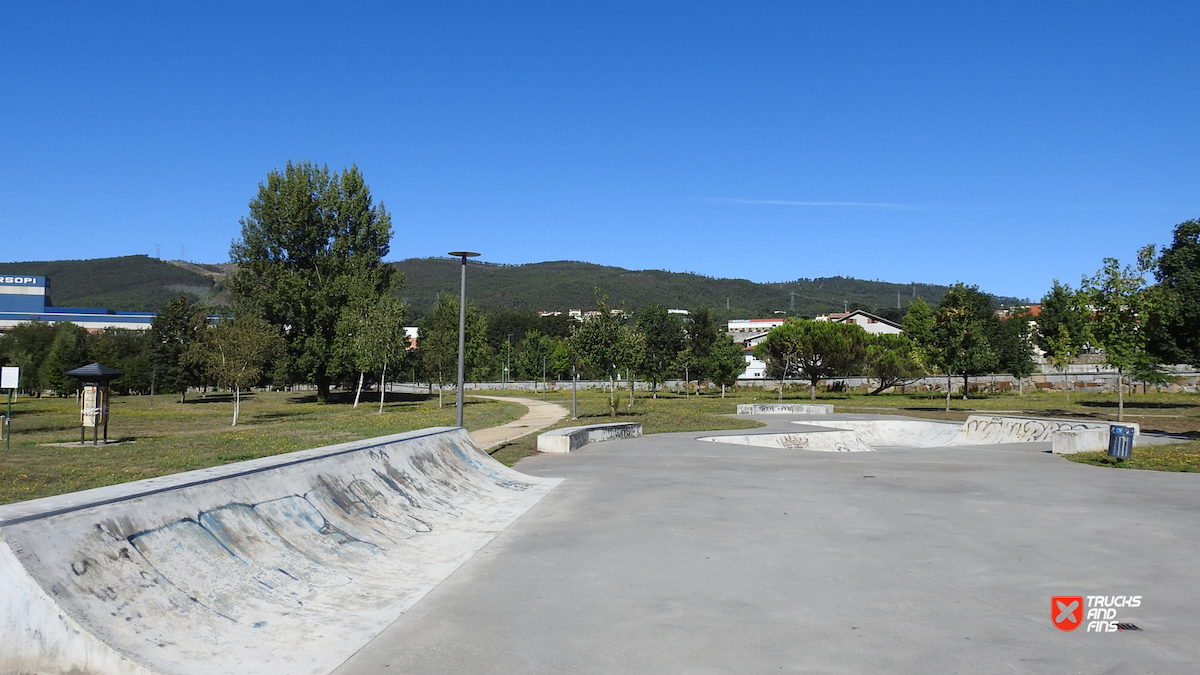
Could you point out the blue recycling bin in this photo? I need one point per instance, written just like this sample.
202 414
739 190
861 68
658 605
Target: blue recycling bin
1120 442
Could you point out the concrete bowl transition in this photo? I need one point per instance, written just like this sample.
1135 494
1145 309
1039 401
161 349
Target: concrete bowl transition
1065 436
287 564
815 441
857 435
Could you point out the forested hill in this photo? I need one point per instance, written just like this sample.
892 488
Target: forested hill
135 283
141 283
564 285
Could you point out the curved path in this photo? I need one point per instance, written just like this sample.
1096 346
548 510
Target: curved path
541 415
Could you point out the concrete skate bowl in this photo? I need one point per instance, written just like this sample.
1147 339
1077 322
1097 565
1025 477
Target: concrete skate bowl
815 441
1063 435
287 564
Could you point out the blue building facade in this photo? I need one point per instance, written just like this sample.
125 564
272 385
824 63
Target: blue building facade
23 298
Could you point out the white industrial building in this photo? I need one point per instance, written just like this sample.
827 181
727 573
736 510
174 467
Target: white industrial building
750 332
869 322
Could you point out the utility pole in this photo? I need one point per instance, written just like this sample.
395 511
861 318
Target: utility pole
792 302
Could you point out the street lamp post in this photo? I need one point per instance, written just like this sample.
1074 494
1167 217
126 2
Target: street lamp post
462 331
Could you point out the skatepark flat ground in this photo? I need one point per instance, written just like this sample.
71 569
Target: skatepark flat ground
669 555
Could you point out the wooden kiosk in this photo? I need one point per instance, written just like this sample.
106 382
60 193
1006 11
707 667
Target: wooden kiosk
93 403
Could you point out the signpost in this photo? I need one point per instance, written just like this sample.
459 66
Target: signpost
9 377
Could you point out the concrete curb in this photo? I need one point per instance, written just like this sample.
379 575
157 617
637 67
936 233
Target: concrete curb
784 409
573 438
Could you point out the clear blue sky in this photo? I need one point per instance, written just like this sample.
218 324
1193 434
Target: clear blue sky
998 144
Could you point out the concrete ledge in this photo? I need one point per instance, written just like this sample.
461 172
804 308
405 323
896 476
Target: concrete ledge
573 438
1083 440
784 409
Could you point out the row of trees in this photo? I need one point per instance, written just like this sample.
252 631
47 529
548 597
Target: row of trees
314 302
1136 325
655 346
1116 312
44 351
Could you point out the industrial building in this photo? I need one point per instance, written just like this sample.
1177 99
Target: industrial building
26 298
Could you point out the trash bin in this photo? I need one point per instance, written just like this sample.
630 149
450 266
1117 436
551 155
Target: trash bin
1120 442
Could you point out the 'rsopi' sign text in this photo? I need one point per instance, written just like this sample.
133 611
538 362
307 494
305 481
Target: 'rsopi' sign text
7 280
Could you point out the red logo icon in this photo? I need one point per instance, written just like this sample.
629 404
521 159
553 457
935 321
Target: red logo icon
1066 611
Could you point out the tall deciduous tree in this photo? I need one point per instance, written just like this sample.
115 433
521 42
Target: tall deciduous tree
438 343
379 342
67 352
726 362
702 333
1177 269
235 353
26 346
534 357
1117 298
178 325
1013 340
312 244
603 343
561 358
964 325
664 339
1062 328
918 326
129 352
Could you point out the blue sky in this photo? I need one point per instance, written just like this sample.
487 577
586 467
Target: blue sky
1001 144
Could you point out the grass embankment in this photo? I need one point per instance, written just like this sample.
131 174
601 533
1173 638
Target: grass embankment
169 437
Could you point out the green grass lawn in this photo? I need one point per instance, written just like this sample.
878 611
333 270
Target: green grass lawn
1174 457
670 412
165 436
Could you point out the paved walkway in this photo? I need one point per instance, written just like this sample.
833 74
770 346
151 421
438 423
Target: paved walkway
665 554
540 416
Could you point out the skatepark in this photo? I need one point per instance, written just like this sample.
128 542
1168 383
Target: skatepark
919 548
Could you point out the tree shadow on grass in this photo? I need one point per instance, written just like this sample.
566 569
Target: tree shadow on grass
608 416
347 398
1140 405
214 397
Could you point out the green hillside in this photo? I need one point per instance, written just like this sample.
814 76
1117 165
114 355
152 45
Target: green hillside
140 283
564 285
134 283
